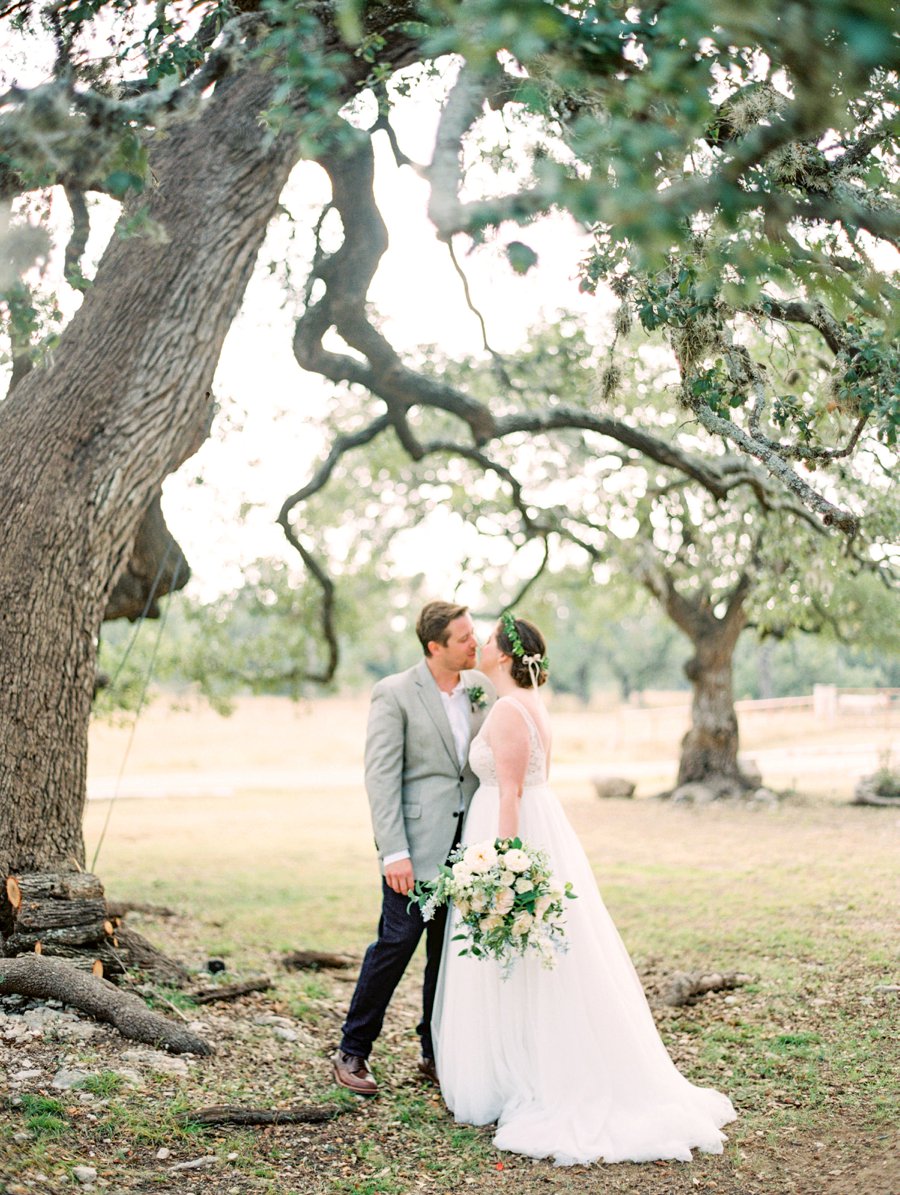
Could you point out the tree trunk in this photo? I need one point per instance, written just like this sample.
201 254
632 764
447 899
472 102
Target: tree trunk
85 444
709 750
708 767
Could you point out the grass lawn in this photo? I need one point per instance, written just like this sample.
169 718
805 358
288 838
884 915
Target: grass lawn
798 896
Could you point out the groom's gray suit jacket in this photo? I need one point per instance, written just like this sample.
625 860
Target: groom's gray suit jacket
414 779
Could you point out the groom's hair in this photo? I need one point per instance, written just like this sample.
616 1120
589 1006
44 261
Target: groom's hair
434 620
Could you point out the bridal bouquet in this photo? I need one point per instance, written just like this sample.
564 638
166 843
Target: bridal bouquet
507 902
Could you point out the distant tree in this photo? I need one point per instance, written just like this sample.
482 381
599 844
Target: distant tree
568 490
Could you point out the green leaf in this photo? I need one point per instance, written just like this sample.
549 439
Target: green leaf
521 257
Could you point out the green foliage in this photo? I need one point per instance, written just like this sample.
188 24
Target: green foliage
263 637
607 514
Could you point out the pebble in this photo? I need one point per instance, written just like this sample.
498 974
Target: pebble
163 1153
196 1164
84 1174
284 1033
65 1079
24 1076
77 1030
157 1061
271 1018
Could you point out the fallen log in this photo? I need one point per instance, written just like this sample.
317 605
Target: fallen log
121 908
231 991
231 1114
44 885
684 986
87 933
44 978
314 960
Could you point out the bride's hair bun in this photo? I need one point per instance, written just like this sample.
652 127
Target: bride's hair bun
531 660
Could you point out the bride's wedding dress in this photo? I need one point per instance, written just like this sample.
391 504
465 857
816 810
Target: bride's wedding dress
568 1061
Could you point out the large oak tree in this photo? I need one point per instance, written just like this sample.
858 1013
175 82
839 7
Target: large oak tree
755 147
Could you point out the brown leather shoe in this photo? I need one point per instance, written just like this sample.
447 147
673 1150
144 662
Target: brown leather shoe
427 1068
353 1072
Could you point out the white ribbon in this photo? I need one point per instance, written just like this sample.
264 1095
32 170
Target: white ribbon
533 663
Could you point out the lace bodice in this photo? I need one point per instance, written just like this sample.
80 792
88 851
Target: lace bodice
481 757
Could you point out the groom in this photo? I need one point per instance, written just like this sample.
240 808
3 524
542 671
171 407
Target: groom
419 784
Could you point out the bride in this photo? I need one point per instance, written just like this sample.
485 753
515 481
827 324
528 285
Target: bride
567 1061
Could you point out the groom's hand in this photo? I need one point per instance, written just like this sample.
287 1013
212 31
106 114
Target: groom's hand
400 876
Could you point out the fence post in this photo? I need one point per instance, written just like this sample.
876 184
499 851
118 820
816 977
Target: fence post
825 702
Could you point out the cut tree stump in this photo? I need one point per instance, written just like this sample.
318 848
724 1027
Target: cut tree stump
66 915
62 915
314 960
685 986
231 1114
55 979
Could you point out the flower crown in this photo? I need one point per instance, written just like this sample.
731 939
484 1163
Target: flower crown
536 661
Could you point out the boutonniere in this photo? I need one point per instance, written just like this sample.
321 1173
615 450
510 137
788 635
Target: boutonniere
476 697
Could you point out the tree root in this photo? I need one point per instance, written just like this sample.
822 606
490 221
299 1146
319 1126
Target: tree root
231 1114
137 954
685 986
45 978
881 789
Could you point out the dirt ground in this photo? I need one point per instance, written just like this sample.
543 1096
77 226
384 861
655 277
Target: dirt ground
405 1128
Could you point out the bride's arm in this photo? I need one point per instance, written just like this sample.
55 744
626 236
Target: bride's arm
510 743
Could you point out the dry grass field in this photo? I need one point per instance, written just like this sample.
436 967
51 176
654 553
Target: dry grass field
255 829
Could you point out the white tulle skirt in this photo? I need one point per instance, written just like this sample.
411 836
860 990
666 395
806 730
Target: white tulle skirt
567 1062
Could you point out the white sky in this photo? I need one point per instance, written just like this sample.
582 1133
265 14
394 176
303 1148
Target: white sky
262 446
420 296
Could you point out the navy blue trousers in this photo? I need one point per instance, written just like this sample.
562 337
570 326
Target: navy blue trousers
398 935
399 931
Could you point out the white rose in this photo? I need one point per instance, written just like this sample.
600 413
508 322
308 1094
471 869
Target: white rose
524 885
522 924
541 906
504 900
517 860
492 921
478 902
461 873
481 856
507 878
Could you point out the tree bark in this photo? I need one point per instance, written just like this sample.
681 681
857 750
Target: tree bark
85 443
709 750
